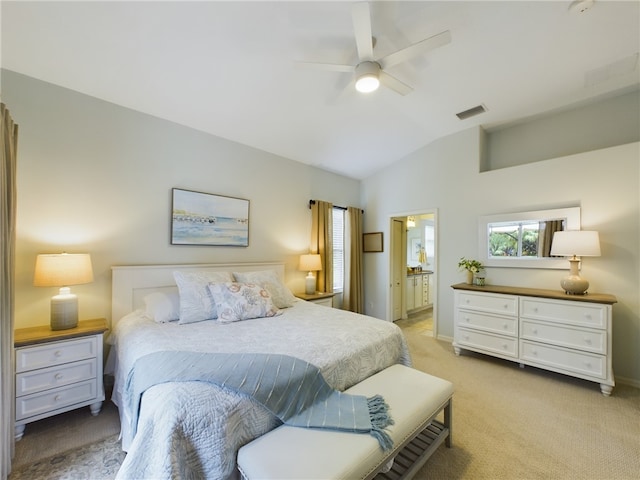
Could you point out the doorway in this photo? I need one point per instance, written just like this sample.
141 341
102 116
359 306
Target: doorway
414 272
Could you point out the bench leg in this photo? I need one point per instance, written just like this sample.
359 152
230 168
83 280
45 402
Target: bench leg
448 422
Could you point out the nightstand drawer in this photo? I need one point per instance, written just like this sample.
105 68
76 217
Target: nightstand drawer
51 400
47 378
56 353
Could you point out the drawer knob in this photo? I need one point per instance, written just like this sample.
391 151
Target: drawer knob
534 331
58 353
505 326
506 305
535 353
57 398
504 346
59 376
467 319
587 341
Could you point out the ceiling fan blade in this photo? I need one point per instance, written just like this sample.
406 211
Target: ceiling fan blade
394 84
362 28
331 67
411 51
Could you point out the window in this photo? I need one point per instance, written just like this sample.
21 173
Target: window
338 249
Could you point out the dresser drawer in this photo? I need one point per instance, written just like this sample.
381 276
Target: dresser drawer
488 322
565 312
573 337
56 353
564 360
490 303
51 400
489 342
44 379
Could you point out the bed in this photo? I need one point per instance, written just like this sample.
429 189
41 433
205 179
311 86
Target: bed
193 429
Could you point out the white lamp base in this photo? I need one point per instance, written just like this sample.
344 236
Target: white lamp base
64 310
310 284
574 284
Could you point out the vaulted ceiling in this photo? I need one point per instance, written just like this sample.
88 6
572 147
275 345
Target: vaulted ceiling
228 68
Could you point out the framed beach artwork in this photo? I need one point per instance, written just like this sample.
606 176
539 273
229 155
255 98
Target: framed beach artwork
206 219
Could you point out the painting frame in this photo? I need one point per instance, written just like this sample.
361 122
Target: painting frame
372 242
208 219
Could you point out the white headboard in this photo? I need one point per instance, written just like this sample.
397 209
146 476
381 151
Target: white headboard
130 283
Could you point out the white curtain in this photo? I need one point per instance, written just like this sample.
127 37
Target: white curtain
8 148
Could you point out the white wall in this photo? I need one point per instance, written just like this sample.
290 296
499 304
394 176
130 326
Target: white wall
95 177
604 183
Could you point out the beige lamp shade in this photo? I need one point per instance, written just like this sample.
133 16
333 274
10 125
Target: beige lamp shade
62 270
310 263
581 243
574 244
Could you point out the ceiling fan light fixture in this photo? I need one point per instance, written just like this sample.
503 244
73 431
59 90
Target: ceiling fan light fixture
367 77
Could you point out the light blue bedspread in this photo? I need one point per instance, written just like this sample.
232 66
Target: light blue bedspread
292 389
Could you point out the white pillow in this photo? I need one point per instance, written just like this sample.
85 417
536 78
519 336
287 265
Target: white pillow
196 303
270 280
162 307
241 301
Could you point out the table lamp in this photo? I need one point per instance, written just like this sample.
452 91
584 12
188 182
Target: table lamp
310 263
62 270
574 244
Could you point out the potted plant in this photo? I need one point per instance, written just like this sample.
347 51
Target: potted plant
471 267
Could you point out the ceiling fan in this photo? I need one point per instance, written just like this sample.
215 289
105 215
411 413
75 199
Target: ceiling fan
370 72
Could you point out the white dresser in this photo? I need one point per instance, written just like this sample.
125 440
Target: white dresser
58 371
543 328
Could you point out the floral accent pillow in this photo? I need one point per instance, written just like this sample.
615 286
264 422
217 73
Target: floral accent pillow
242 301
196 302
269 279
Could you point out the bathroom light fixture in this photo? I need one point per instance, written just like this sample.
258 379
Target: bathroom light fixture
367 77
574 244
62 270
411 221
310 263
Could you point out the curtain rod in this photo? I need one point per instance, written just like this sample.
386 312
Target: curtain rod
313 202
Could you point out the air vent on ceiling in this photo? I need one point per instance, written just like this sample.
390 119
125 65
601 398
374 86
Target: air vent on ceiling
471 112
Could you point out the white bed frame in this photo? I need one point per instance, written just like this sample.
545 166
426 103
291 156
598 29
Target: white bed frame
131 283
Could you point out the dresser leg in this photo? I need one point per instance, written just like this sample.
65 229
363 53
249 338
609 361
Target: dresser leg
19 432
95 408
606 389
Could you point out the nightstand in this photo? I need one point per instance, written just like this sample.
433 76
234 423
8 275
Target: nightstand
58 371
320 298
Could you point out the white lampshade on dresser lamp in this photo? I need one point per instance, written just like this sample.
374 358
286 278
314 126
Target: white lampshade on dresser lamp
575 244
62 270
310 263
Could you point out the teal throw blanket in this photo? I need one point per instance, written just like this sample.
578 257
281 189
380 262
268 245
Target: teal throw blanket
292 389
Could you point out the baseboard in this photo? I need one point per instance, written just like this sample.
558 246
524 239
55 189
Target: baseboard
631 382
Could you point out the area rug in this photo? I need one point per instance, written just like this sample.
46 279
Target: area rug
97 461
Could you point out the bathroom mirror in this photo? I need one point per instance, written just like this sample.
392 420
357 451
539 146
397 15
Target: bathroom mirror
523 239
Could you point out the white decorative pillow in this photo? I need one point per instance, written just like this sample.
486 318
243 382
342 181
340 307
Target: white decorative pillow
269 279
242 301
196 303
162 307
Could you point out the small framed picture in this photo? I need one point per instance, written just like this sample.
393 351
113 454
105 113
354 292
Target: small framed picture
372 242
205 219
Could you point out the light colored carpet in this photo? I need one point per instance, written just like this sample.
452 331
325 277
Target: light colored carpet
508 423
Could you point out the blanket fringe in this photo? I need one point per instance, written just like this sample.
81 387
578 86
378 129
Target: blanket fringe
380 419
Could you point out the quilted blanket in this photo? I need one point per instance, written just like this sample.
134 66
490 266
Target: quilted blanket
191 429
290 388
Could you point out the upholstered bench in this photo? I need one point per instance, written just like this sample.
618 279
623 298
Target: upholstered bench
415 399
